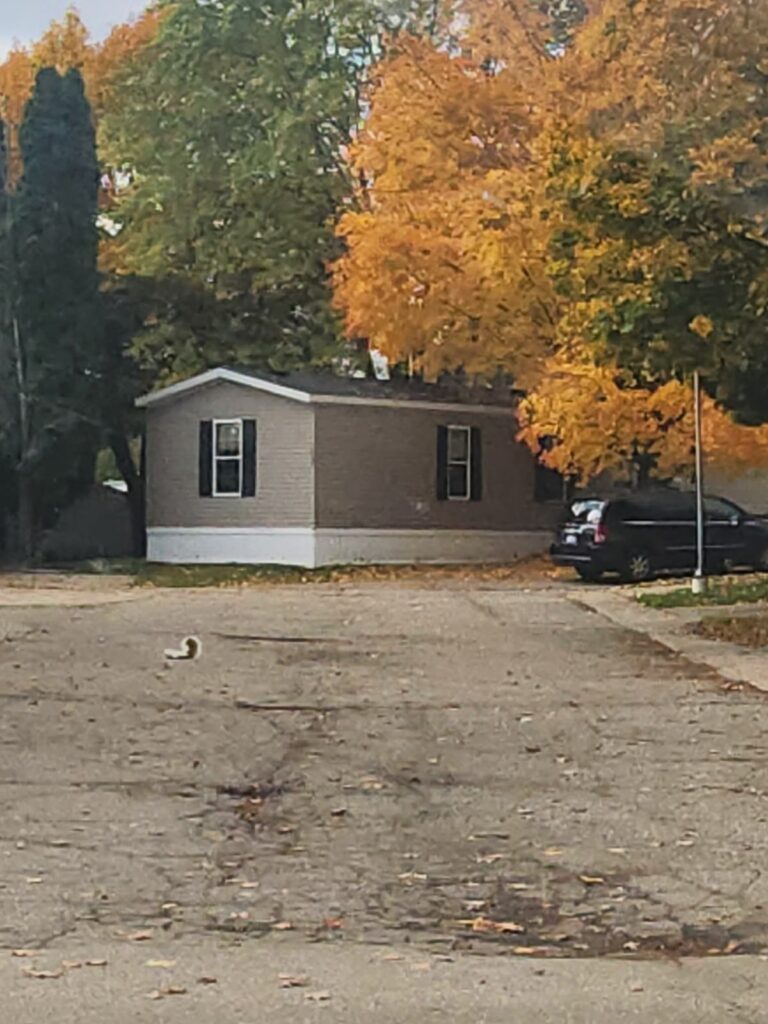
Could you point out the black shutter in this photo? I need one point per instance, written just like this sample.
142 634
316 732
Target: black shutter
249 458
476 465
205 457
442 463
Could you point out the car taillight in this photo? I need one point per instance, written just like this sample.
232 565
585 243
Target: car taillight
601 535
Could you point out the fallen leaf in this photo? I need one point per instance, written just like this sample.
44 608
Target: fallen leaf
71 965
174 990
392 956
98 962
293 980
553 851
475 904
30 972
318 997
334 922
33 881
617 849
338 812
141 936
249 885
491 858
26 952
631 946
160 963
285 829
519 886
207 979
592 879
282 926
484 924
636 988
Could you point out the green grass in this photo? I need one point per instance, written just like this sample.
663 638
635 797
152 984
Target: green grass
722 593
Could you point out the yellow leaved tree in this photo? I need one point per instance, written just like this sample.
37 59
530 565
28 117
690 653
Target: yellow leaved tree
598 421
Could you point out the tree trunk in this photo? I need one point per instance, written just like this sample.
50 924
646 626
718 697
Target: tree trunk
135 483
25 518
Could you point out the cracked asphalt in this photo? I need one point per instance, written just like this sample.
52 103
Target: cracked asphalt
466 799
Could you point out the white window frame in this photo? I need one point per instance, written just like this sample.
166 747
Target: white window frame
226 458
453 462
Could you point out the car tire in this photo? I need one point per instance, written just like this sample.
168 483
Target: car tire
589 575
637 568
761 562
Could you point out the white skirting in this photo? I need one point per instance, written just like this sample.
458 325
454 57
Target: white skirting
312 548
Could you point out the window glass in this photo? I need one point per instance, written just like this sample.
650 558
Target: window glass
458 444
715 508
458 485
228 439
228 476
227 457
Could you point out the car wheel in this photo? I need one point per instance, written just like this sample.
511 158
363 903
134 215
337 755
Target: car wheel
761 562
637 568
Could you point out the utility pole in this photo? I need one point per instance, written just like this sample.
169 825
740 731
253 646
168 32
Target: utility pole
699 581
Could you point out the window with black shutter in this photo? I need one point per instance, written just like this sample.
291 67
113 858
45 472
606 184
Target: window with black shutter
227 458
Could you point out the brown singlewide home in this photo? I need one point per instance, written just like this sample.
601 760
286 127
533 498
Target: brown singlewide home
315 469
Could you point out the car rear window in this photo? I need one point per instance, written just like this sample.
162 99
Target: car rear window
589 510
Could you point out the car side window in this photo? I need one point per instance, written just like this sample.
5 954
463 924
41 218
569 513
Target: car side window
719 511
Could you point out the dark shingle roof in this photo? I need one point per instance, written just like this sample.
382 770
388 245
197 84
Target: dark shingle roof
325 382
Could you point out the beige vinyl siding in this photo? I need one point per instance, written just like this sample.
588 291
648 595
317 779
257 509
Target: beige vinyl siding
285 465
376 468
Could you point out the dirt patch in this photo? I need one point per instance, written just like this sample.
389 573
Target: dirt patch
745 630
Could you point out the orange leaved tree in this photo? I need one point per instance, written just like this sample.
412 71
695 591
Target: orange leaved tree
597 420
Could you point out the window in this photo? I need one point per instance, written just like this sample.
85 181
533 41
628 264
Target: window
459 463
459 460
717 509
227 457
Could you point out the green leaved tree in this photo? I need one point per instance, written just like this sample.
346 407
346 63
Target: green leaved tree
232 131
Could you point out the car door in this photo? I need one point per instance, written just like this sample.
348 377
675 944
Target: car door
678 532
725 537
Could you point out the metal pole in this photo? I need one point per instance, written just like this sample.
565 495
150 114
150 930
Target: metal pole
699 582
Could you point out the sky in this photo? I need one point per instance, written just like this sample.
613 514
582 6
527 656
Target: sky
25 20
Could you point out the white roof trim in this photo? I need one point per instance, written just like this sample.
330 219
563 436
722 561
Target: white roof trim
295 395
219 374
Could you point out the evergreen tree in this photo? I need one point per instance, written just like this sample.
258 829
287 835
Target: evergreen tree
55 308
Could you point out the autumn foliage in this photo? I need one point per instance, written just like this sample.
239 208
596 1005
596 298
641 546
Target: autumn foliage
64 45
598 421
589 215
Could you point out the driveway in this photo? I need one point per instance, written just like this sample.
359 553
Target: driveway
465 801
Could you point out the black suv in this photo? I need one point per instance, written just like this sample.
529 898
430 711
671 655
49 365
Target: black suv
639 535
